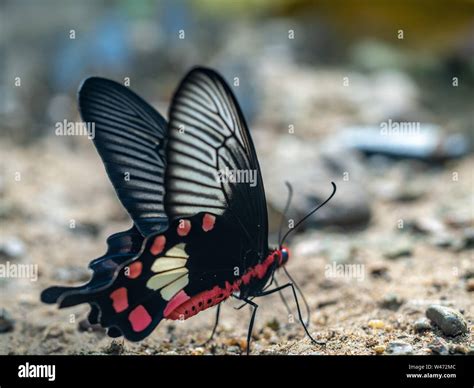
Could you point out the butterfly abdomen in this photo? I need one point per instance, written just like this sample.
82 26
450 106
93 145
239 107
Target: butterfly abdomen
183 307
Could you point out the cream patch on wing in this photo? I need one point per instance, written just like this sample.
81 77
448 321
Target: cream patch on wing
171 290
171 272
165 264
177 251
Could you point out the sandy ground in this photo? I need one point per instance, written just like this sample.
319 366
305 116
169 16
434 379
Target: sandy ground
60 184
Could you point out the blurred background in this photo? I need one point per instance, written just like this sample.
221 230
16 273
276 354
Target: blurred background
376 96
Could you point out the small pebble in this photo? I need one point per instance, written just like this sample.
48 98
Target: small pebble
197 351
53 332
450 321
421 325
115 348
240 342
379 271
398 249
328 284
399 347
12 248
443 240
391 302
439 346
273 324
459 349
233 349
379 349
84 325
428 226
7 323
87 228
267 333
376 324
468 238
470 285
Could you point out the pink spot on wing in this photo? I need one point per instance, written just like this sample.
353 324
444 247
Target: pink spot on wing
119 299
139 318
176 301
208 222
135 269
184 227
158 245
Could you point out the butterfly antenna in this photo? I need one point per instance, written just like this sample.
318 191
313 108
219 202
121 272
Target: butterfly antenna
287 206
309 214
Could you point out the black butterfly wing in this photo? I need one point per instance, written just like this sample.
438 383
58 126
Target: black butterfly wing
130 137
208 137
122 247
171 268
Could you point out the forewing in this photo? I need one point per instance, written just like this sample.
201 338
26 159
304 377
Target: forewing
208 139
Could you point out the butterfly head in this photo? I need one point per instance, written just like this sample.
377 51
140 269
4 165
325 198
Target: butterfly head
284 255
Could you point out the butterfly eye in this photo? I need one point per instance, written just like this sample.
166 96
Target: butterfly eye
285 255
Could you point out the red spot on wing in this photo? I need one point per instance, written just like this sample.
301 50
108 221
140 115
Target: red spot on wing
176 301
208 222
119 299
135 269
139 318
183 228
158 245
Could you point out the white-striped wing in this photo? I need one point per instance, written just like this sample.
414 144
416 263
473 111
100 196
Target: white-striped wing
130 137
208 139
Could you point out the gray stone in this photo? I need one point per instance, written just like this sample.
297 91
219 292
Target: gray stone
312 184
12 248
85 325
450 321
7 323
439 346
421 325
398 248
391 302
398 348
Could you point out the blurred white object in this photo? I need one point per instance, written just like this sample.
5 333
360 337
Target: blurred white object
402 140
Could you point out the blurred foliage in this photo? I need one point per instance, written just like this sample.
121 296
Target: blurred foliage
427 24
139 39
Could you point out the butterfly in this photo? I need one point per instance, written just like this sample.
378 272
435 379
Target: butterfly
197 238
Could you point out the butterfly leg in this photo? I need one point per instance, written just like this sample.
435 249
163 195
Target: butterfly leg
278 289
282 297
242 305
252 319
218 311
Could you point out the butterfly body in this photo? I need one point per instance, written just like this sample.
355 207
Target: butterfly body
252 280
